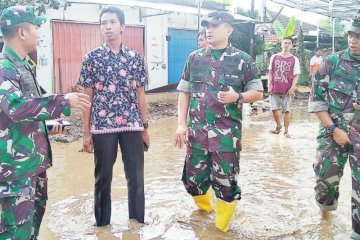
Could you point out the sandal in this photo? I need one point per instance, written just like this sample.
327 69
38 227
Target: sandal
276 131
287 135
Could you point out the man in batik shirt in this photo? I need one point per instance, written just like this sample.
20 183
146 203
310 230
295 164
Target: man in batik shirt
114 77
216 81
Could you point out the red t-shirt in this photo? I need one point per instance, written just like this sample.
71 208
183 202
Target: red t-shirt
282 69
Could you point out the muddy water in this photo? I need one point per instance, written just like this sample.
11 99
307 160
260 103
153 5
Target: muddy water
276 179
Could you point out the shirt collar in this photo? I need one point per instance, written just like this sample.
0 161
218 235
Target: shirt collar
228 50
108 50
348 56
13 55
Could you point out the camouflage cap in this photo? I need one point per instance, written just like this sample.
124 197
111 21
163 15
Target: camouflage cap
217 18
20 14
355 25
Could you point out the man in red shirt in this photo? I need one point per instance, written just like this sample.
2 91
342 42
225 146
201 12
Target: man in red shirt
284 70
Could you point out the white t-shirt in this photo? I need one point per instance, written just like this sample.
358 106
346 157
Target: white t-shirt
316 60
315 63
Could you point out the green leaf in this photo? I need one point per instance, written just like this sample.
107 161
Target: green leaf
290 29
278 28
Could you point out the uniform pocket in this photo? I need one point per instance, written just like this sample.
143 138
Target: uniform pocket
341 94
195 87
233 78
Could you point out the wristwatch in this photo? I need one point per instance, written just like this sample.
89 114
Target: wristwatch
240 98
145 124
330 129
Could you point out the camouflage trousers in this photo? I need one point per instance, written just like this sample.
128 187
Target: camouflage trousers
220 170
21 216
329 167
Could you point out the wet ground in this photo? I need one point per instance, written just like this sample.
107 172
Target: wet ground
276 179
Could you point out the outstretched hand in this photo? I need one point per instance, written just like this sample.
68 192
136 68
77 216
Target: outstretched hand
57 128
79 101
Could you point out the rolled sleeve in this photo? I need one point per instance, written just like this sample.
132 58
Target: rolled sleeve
141 75
318 106
86 74
183 86
319 89
254 84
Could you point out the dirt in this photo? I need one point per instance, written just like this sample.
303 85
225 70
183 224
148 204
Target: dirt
157 110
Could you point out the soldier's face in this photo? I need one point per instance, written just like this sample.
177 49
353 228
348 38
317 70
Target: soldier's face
217 34
354 43
111 27
28 33
202 41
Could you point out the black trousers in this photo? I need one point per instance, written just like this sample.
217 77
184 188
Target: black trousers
105 152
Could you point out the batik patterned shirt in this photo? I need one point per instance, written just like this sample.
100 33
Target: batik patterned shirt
114 79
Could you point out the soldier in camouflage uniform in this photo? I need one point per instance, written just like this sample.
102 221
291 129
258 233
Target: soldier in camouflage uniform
25 151
216 81
335 97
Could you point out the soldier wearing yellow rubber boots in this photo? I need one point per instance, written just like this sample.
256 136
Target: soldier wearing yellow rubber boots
216 81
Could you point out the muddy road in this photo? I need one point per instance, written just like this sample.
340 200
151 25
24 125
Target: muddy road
276 179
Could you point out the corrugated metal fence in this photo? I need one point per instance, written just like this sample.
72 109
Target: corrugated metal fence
70 43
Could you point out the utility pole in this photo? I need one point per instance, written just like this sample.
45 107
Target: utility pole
199 2
252 15
331 5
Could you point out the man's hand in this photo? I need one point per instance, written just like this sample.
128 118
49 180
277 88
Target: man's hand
57 128
146 137
341 137
228 97
181 136
88 144
291 91
79 101
79 88
270 90
356 106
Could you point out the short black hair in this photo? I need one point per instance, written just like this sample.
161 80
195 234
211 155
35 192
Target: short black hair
9 31
289 38
111 9
202 33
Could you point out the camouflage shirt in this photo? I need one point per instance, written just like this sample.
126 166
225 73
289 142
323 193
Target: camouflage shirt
24 145
212 125
336 86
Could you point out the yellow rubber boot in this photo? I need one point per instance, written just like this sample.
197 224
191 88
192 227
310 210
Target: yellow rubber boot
224 213
204 202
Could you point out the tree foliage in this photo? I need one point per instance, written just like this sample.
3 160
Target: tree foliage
41 5
303 59
241 36
282 32
327 25
241 40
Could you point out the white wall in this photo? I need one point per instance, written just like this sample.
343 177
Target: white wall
156 46
156 49
182 21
